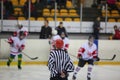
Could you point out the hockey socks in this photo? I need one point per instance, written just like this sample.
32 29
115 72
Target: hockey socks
75 72
19 61
10 59
89 72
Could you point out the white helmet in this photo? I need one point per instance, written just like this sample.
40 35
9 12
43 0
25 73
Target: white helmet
54 32
19 23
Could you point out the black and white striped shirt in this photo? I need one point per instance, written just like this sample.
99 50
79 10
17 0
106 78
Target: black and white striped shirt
58 61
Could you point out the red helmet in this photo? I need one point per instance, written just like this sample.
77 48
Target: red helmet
59 43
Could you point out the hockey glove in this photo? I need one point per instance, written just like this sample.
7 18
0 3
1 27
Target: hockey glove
19 50
79 56
96 58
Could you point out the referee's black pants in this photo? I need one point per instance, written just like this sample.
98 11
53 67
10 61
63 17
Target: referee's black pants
58 78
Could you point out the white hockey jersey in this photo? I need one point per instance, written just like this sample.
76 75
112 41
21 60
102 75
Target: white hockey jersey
16 44
66 43
87 52
24 29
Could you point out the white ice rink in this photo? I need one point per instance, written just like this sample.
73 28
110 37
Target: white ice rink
40 72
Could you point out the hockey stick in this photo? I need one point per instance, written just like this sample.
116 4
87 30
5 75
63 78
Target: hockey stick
26 54
100 58
30 57
110 58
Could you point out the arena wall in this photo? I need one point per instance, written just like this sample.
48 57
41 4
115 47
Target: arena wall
71 27
41 49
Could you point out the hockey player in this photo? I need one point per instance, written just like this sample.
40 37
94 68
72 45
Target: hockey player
53 39
65 40
62 37
116 33
59 62
21 28
17 44
86 54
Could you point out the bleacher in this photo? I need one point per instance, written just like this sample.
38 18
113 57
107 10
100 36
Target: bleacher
69 13
113 15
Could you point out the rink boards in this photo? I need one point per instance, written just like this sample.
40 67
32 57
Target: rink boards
41 48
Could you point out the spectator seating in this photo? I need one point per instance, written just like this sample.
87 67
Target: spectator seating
53 14
104 13
73 15
114 12
53 11
76 19
118 4
69 4
50 19
32 18
40 19
59 19
62 14
18 12
17 9
15 2
113 15
21 18
63 11
118 20
33 1
68 19
22 2
72 11
46 12
111 20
